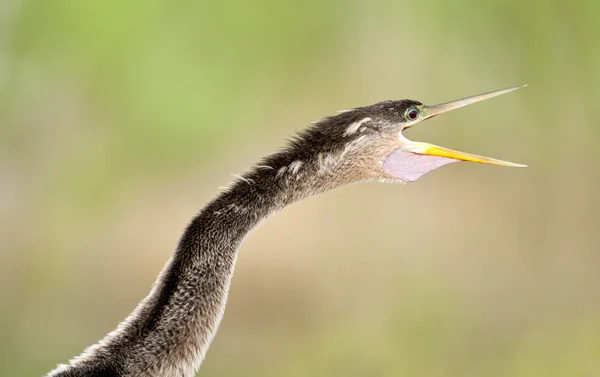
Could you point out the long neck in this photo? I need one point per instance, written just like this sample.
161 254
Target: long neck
170 331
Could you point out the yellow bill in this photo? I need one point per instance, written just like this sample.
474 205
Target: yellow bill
429 111
415 159
434 150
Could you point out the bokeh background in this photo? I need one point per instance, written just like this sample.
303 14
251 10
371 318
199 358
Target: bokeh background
120 119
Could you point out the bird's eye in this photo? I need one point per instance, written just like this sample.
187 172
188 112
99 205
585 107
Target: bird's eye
412 113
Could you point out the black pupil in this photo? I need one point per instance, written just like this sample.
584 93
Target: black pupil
412 114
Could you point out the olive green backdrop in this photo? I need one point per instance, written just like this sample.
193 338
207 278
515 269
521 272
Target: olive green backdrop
120 119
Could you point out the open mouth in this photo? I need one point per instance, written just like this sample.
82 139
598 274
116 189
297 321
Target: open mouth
414 159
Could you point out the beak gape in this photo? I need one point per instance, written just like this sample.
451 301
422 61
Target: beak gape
414 159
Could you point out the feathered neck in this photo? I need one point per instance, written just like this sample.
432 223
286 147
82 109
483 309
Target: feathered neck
169 332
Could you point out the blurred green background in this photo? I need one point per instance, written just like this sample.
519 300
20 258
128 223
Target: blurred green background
120 119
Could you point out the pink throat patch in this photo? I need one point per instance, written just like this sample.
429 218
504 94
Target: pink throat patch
409 166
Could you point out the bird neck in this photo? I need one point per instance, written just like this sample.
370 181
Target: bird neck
171 329
189 301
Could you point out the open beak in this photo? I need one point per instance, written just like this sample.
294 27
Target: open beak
434 150
414 159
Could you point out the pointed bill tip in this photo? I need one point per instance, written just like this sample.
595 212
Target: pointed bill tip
510 164
515 88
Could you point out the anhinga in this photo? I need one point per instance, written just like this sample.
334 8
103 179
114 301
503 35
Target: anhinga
169 332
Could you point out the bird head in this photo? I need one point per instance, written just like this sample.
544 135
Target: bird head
367 143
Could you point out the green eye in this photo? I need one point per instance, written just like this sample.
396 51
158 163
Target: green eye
412 113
